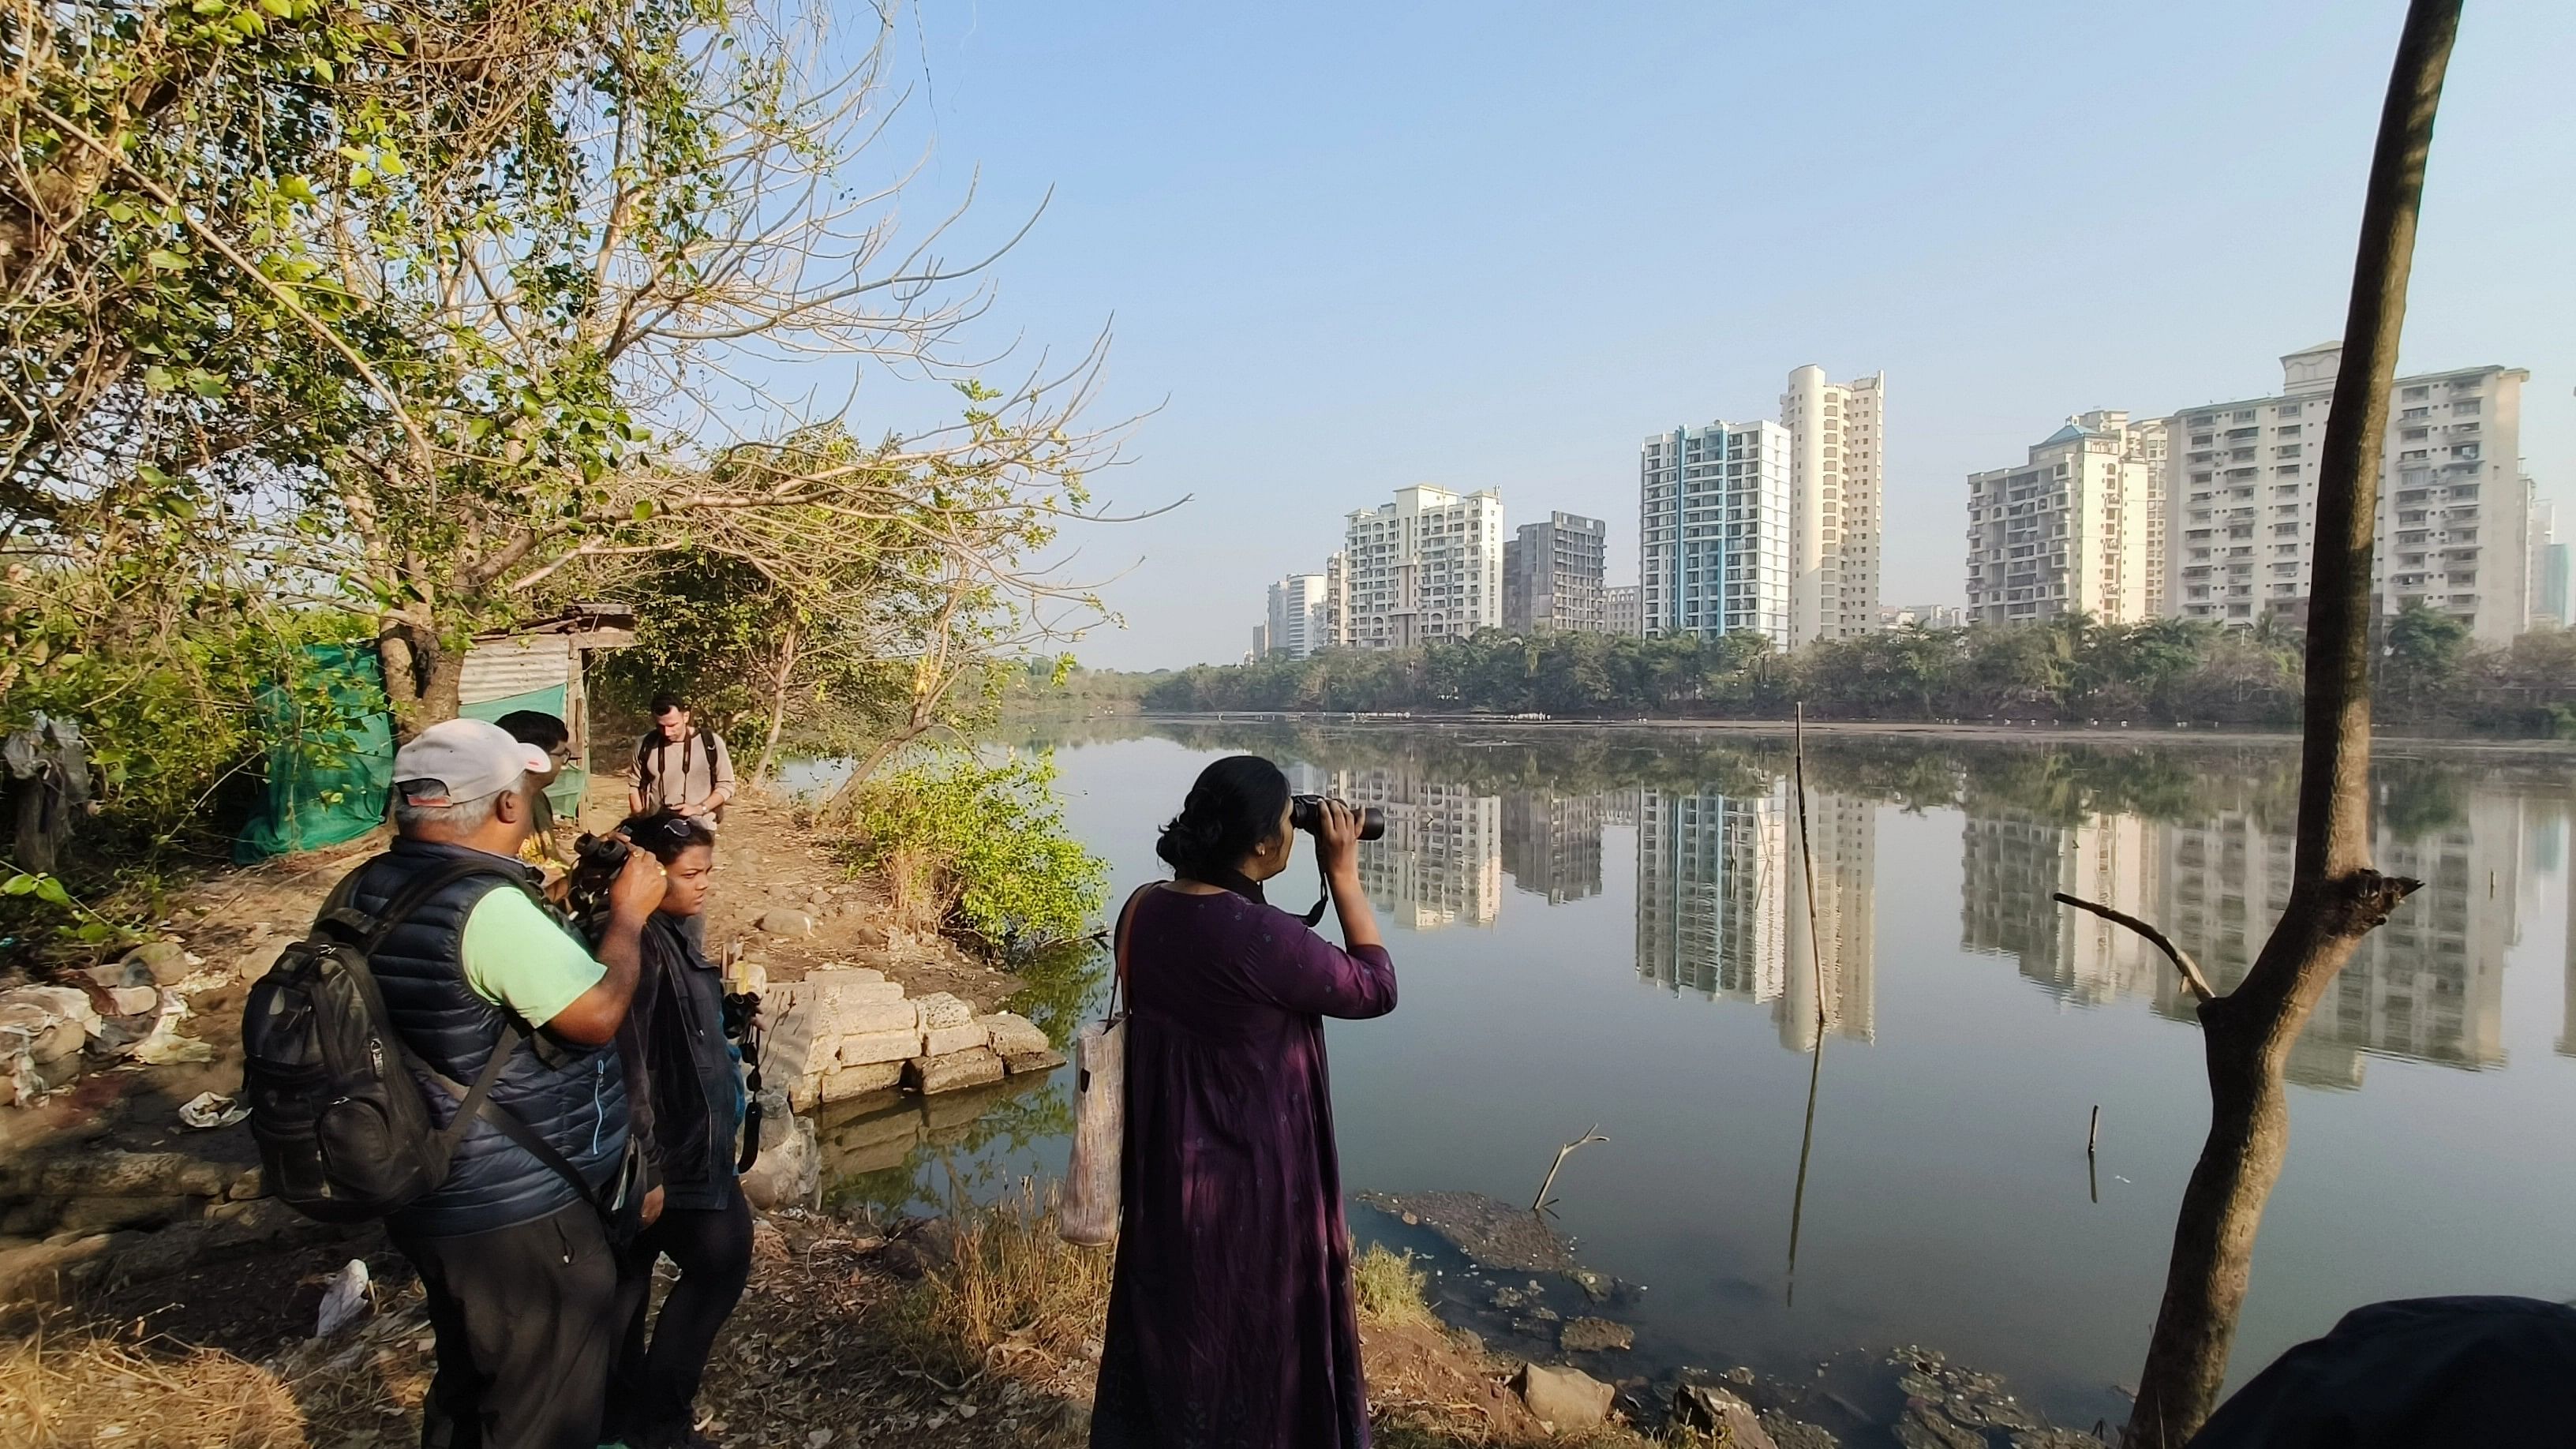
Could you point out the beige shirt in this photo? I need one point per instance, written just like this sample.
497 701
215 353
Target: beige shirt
684 771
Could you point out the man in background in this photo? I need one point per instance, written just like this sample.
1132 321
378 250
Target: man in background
679 766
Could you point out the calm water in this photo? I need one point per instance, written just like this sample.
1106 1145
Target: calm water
1609 927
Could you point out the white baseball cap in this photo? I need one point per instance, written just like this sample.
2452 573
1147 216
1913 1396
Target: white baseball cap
458 760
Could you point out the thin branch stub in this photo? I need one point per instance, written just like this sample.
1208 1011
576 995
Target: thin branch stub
1542 1202
2181 958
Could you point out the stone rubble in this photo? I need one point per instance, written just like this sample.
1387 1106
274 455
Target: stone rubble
844 1032
1564 1398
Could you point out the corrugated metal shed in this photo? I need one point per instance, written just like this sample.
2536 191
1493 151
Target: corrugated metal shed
547 654
517 664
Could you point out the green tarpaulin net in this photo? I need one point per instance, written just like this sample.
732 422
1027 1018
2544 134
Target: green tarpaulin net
329 771
328 775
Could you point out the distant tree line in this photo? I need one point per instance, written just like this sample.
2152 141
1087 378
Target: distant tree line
2070 669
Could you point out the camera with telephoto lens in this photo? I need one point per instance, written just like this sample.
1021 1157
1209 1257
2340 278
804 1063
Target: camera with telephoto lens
1306 812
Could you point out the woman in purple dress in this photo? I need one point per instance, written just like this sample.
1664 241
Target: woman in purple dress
1230 1316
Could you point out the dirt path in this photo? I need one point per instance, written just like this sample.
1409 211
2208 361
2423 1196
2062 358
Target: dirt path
105 1194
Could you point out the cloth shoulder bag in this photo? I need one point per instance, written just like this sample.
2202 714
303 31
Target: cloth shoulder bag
1088 1214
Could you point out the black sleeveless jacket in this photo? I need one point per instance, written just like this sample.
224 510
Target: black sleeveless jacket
575 1097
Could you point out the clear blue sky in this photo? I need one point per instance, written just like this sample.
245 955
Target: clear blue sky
1352 247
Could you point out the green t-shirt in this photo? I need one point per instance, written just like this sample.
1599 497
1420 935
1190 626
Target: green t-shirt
519 957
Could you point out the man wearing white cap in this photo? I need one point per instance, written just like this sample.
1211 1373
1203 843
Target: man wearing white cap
514 1255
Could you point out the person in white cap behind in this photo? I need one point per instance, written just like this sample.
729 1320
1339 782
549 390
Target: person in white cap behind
513 1253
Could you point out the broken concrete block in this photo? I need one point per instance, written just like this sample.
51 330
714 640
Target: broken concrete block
946 1040
940 1009
958 1069
879 1046
842 1083
1014 1034
877 1016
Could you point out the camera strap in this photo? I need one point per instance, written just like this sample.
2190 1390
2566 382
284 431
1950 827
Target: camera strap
1324 884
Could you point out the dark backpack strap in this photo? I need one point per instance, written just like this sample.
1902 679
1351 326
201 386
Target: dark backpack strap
516 1128
369 931
477 1098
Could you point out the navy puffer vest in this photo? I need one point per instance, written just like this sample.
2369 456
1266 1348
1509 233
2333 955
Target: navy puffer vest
575 1097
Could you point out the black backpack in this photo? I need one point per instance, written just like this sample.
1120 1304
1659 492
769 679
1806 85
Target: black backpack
344 1131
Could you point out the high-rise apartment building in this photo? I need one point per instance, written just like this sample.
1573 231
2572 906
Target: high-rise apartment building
2452 525
1768 528
1552 575
1337 603
1713 531
2548 568
1300 618
1260 649
1837 478
2078 527
1428 565
1623 610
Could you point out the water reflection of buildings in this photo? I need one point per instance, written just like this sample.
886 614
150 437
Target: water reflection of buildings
1552 843
1441 863
2428 986
1722 904
2011 861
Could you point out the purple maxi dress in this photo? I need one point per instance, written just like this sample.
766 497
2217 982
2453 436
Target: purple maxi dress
1230 1316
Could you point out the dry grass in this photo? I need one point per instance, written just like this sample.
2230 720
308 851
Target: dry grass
920 891
1389 1289
67 1386
80 1389
1011 1288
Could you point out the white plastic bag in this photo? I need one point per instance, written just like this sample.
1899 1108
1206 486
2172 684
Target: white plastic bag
1088 1215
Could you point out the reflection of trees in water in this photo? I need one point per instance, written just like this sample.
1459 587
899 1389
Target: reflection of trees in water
1058 984
2064 780
888 1156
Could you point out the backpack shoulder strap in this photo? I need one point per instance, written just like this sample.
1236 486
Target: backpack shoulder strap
369 930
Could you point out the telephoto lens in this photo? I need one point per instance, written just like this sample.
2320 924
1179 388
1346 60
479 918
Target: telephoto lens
1306 812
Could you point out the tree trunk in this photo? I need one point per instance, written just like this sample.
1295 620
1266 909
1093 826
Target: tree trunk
422 676
778 683
2335 896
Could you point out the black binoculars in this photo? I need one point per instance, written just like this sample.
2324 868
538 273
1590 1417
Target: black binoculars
1306 812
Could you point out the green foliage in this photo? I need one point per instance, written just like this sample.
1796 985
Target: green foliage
983 847
2068 669
162 673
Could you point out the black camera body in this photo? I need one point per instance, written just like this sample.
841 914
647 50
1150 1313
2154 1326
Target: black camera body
1306 812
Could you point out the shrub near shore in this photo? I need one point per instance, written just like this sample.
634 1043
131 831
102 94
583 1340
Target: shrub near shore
977 850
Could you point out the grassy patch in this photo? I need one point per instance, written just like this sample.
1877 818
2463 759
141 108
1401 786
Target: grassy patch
1389 1289
1011 1288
